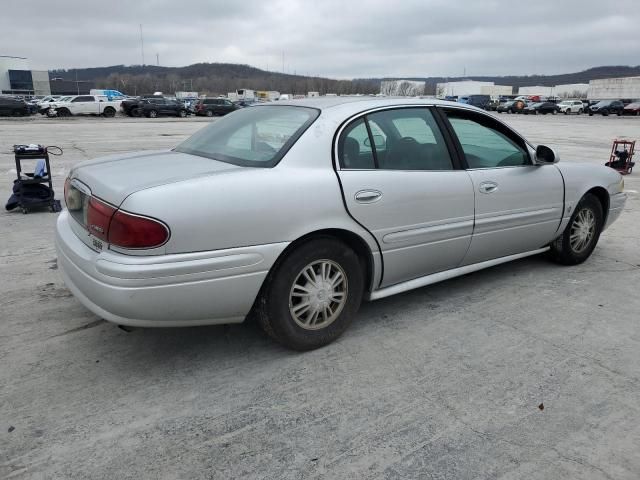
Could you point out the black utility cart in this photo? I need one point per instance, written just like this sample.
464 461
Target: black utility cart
31 189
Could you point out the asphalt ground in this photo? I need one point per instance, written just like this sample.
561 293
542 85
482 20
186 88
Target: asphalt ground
528 370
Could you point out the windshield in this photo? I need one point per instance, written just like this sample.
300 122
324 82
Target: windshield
251 137
602 104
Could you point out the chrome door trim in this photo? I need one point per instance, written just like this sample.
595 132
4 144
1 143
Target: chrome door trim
447 274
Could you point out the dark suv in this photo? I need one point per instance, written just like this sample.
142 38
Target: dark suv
13 107
605 107
129 106
215 106
154 107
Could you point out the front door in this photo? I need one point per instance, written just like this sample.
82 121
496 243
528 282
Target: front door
518 205
399 182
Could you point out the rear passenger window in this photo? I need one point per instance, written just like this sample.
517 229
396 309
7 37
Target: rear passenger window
354 147
412 140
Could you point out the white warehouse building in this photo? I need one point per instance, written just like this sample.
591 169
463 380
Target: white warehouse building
459 89
496 90
571 90
537 90
614 88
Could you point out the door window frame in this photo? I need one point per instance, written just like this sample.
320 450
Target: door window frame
489 122
456 160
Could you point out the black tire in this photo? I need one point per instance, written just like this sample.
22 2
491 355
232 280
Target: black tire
273 305
561 249
567 111
152 114
605 112
109 112
209 113
619 113
580 111
590 114
63 112
182 113
555 112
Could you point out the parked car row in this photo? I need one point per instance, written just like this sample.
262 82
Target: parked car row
602 107
150 106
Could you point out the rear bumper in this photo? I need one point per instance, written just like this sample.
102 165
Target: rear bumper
201 288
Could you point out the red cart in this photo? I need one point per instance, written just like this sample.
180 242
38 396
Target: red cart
621 158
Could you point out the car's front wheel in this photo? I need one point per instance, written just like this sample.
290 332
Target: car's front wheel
310 299
581 235
209 113
152 114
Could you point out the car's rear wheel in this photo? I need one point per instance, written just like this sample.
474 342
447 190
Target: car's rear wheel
567 111
152 113
109 112
581 235
580 112
182 113
209 113
310 299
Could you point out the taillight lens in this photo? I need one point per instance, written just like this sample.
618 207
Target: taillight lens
98 218
133 231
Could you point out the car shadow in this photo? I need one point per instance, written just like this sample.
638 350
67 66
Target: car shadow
176 348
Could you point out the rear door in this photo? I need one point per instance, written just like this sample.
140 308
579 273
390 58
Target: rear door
401 181
518 205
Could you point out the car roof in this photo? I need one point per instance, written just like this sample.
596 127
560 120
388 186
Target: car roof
357 104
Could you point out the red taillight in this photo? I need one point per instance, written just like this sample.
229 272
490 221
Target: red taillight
132 231
98 217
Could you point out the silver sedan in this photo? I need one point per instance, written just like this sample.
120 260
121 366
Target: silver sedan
297 211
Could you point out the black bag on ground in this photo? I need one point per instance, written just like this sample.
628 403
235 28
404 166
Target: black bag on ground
31 194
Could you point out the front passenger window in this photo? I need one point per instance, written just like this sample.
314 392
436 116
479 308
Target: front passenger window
486 147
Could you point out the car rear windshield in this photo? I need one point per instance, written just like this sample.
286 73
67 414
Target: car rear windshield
251 137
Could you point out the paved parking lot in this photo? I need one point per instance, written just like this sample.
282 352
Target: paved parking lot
524 371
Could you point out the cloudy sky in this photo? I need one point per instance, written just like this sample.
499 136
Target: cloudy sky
334 38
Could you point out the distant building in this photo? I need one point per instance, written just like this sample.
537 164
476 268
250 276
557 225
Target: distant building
60 86
460 89
627 88
537 90
575 90
571 90
496 90
16 77
402 88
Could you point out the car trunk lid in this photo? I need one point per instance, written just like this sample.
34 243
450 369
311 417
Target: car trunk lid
114 178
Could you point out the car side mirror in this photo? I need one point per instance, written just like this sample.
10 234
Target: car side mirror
546 155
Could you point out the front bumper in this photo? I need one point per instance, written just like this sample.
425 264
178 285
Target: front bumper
200 288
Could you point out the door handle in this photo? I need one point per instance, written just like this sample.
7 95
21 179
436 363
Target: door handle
368 196
488 187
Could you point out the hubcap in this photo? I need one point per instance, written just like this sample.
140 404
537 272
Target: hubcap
318 294
583 229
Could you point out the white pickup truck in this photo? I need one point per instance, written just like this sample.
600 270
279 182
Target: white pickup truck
84 105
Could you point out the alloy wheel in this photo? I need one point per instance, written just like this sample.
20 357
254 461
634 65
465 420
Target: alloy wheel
583 230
